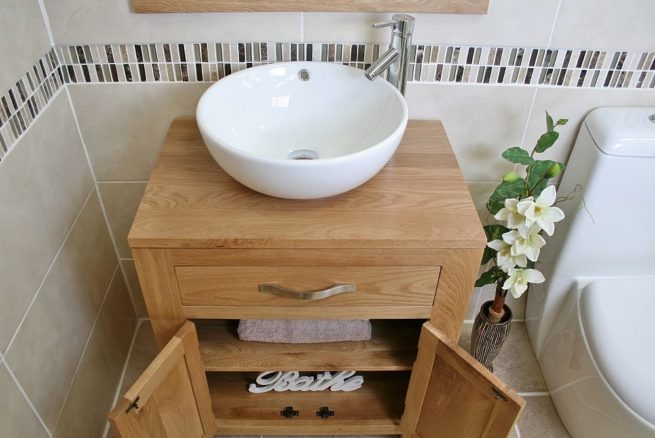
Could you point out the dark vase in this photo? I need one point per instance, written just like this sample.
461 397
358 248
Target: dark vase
488 337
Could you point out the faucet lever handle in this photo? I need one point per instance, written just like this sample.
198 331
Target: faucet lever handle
385 24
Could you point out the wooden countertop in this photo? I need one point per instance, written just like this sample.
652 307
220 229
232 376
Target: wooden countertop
419 200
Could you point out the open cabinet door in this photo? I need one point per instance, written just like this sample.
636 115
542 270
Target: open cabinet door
171 398
452 395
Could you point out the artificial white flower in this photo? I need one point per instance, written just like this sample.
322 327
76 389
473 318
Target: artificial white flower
541 210
510 213
518 280
525 240
504 258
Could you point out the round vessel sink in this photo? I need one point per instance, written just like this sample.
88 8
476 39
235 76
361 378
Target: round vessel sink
301 130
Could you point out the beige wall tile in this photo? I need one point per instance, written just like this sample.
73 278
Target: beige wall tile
60 320
135 287
124 134
91 395
480 192
121 201
23 39
539 419
574 104
480 122
16 417
606 24
517 305
486 293
508 22
144 351
100 21
43 183
473 305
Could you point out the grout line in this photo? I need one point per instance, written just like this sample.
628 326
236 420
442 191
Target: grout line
552 29
536 90
45 276
569 384
122 378
86 345
27 399
46 23
534 394
527 122
412 82
102 204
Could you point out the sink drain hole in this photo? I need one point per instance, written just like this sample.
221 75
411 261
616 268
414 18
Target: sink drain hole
303 154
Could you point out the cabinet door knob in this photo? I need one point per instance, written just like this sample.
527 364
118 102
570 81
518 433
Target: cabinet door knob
289 412
314 295
325 413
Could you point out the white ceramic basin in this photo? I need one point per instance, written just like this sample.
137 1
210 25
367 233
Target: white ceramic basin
301 139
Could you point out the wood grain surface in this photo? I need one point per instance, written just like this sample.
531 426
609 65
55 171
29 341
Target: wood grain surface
451 394
426 6
375 408
419 200
171 398
392 348
375 285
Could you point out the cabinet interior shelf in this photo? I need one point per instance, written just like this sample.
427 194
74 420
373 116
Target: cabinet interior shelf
393 347
374 408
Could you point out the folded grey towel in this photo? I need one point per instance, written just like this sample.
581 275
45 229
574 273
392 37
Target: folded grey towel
292 331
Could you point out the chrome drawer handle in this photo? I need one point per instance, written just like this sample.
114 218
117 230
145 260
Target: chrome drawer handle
320 294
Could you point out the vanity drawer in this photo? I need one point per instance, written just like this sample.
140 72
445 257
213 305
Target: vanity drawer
265 286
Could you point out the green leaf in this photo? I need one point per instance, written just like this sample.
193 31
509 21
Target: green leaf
518 155
561 122
546 141
489 277
503 191
529 265
537 172
495 232
538 175
487 255
549 122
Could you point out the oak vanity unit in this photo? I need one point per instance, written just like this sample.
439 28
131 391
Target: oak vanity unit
409 241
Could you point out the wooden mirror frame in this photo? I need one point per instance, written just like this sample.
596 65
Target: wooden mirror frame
414 6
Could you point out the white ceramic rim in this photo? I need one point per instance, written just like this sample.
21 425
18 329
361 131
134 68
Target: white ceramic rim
240 152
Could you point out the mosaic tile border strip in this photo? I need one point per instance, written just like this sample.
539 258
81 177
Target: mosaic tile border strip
208 62
27 98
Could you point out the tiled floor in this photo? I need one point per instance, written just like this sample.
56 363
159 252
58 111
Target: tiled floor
516 366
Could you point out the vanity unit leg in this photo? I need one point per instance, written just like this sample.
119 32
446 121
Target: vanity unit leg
160 292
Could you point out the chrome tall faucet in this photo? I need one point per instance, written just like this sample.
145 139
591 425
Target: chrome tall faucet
396 59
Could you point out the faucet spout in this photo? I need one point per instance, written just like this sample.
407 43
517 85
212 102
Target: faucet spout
383 63
395 60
